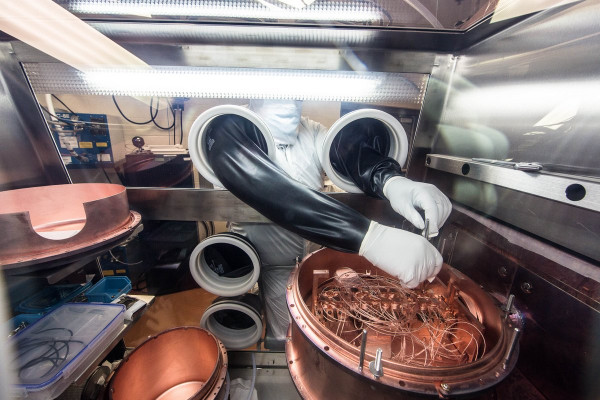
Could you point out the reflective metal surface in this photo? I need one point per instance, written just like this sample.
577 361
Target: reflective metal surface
558 294
527 94
221 205
28 156
272 381
581 192
433 105
48 223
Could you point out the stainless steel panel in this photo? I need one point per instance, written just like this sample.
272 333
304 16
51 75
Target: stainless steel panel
28 156
558 295
221 205
560 345
560 188
436 97
491 252
529 93
572 227
273 380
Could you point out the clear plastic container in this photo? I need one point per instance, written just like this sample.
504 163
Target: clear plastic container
108 289
54 351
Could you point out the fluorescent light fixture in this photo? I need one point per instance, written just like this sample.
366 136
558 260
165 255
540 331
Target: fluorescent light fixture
223 83
201 33
55 31
321 10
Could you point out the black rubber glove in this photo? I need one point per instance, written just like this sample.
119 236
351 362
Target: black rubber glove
235 155
359 152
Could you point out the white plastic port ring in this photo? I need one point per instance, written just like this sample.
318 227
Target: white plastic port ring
398 143
213 282
198 131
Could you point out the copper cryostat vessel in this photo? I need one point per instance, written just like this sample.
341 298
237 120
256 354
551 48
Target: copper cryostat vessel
446 338
180 363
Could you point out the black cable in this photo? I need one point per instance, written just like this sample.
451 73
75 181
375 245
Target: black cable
123 115
181 125
61 102
153 117
66 121
56 329
54 352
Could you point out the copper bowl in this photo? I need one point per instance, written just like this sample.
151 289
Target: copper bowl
181 363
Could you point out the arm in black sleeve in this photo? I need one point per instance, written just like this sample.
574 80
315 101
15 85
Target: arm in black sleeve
235 155
359 153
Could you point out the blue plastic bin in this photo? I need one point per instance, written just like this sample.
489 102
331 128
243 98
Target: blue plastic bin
108 289
51 297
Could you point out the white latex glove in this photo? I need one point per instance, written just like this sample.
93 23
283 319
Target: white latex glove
406 196
407 256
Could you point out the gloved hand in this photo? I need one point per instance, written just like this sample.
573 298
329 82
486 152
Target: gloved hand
407 256
406 195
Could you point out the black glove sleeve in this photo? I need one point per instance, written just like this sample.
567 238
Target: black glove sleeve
359 153
244 169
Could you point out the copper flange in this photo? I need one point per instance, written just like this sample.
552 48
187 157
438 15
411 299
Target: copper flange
48 223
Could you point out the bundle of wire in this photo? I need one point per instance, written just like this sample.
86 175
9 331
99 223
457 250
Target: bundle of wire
417 327
45 353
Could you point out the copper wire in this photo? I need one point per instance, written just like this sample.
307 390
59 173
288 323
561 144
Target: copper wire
418 326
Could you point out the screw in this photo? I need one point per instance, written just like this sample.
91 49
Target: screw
527 287
363 347
375 366
445 387
509 304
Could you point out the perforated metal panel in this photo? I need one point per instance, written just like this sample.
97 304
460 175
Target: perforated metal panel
245 83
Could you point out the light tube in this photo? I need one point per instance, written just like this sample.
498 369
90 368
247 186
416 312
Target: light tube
322 10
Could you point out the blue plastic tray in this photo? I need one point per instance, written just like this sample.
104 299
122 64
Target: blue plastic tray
51 297
108 289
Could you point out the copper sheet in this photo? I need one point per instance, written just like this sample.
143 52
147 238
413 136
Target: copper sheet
181 363
323 365
99 212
